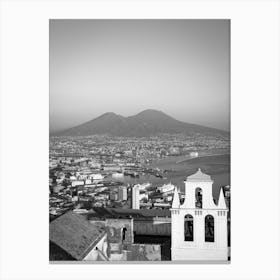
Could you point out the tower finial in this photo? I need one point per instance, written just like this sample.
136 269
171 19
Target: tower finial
222 203
176 200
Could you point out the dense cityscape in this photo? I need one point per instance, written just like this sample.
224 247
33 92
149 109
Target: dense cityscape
100 171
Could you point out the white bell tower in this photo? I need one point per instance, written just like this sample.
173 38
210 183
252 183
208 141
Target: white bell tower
199 226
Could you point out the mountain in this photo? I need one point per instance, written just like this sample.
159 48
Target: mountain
146 123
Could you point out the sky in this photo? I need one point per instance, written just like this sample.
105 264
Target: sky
180 67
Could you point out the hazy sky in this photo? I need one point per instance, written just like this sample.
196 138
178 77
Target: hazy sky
180 67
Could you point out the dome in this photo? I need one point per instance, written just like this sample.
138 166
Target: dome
199 176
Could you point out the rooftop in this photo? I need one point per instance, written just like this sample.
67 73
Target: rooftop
75 234
127 213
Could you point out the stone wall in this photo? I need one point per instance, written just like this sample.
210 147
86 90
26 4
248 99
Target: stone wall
152 228
119 230
144 252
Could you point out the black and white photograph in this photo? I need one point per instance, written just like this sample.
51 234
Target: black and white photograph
139 147
139 140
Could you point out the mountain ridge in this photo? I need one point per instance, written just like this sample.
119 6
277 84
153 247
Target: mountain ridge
146 123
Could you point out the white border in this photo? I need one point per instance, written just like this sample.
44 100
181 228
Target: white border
255 137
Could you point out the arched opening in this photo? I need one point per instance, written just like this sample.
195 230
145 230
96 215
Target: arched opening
198 198
209 229
188 227
123 234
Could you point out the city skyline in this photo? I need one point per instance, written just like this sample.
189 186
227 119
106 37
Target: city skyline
180 67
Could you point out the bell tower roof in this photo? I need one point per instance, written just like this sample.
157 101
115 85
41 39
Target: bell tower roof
199 176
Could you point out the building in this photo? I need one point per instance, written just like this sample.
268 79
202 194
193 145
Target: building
143 186
95 177
199 226
143 196
117 175
113 196
72 237
135 197
76 237
166 188
77 183
122 193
